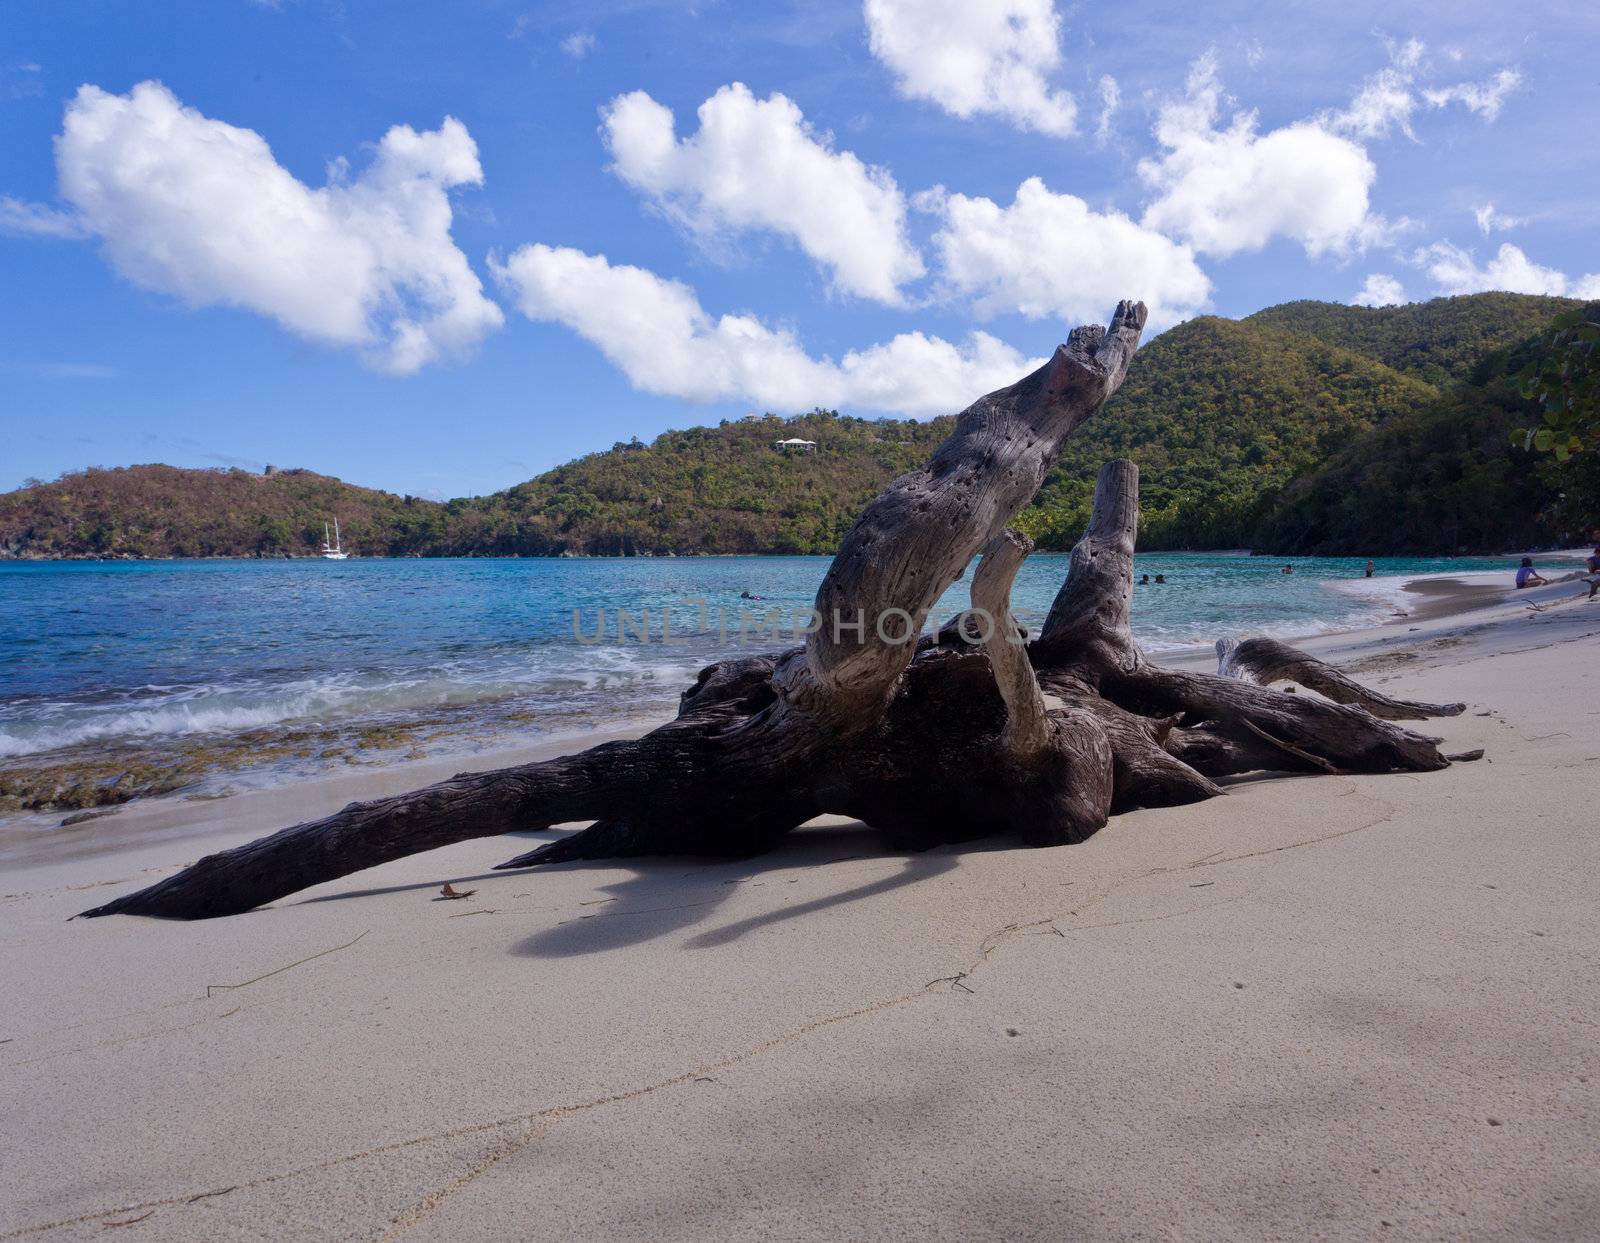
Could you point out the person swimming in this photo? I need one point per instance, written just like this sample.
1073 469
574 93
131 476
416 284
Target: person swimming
1144 580
1161 578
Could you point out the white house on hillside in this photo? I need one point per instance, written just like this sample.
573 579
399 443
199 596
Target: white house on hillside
795 445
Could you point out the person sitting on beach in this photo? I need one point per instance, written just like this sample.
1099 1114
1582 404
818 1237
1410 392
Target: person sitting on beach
1592 565
1527 576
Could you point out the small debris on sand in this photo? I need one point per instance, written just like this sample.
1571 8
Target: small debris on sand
78 817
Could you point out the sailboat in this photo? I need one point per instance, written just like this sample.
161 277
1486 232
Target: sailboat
332 551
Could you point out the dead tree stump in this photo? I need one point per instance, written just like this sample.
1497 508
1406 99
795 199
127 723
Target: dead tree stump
942 739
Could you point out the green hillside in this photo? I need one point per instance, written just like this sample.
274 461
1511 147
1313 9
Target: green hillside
1443 479
1438 341
166 511
1305 427
707 489
1220 415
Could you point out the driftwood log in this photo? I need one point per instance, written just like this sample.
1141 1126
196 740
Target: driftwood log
965 733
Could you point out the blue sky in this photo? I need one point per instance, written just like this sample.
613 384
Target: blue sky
438 249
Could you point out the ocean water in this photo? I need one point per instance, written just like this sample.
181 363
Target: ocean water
115 654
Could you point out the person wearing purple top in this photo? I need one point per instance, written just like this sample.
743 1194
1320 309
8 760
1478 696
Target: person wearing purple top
1527 576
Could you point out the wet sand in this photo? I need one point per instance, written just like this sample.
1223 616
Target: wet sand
1442 596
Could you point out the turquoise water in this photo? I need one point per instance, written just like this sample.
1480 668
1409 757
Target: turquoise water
107 652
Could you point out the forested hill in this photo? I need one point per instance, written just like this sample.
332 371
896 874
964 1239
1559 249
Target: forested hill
707 489
1219 415
1438 341
167 511
1443 478
1305 427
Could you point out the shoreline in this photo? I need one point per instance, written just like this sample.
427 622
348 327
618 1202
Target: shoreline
1311 1007
11 558
30 838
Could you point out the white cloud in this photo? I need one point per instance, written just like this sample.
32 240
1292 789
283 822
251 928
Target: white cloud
578 44
1484 98
1380 289
1110 101
1385 100
1229 190
989 57
75 371
1389 97
1051 255
657 333
193 207
21 80
1456 271
37 220
1490 220
756 164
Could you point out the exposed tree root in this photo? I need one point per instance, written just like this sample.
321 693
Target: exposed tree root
942 739
1265 661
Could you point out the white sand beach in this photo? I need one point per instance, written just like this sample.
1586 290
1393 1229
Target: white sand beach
1337 1007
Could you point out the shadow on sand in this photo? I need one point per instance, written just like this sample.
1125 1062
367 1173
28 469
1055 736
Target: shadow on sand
664 895
667 895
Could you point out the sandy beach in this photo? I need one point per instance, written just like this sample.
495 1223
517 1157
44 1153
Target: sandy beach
1340 1007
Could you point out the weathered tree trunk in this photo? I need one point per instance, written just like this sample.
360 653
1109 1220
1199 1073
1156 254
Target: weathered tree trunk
939 739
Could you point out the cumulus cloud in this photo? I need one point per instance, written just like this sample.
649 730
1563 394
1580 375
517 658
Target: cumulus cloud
1380 289
1385 100
37 220
991 58
756 164
194 207
1051 255
1455 270
1227 190
663 340
1483 98
1489 220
